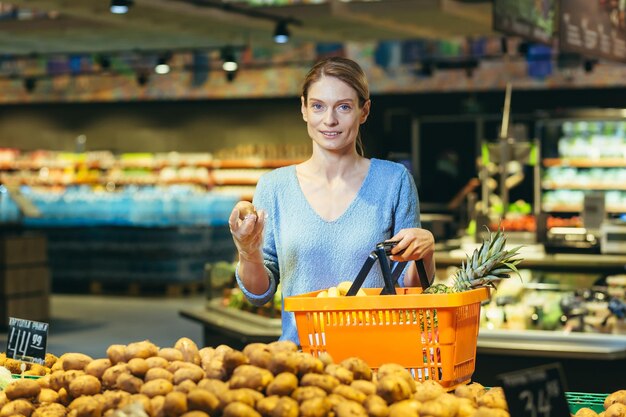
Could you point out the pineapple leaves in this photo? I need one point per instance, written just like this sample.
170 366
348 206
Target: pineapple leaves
487 264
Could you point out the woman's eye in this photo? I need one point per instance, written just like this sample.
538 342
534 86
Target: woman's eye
345 107
316 106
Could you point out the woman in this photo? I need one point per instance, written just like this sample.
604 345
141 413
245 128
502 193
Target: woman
317 222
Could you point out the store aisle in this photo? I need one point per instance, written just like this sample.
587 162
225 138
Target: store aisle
89 323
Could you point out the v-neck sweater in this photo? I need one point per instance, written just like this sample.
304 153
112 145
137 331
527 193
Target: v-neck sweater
304 253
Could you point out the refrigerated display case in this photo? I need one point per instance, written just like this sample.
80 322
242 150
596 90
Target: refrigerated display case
581 180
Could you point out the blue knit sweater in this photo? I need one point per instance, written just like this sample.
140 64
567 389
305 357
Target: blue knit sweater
306 253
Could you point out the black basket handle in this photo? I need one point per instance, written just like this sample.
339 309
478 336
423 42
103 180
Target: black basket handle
391 273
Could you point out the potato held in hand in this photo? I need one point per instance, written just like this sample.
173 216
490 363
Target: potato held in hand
245 208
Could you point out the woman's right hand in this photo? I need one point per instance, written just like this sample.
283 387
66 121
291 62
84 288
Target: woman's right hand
246 226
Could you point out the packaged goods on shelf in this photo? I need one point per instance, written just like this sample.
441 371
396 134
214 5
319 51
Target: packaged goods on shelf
237 176
169 188
9 211
583 153
140 206
8 155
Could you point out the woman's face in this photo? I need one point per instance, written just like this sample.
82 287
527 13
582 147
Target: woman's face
332 114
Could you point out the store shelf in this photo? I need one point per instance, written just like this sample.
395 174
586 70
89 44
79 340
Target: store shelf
582 152
577 208
562 262
578 186
585 162
228 174
242 326
253 163
553 344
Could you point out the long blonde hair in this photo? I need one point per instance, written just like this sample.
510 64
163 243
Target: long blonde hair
347 71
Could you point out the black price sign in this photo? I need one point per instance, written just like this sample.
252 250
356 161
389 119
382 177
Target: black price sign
27 340
593 28
536 392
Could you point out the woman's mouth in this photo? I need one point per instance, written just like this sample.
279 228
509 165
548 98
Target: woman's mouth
330 134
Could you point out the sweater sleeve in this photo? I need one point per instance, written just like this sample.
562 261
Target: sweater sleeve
263 200
407 210
407 213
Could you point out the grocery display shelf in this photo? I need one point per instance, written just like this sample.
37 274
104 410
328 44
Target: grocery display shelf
562 262
577 208
233 325
583 186
149 165
585 162
553 344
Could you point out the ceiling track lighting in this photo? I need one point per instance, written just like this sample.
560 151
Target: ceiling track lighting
120 6
30 83
589 65
229 61
162 67
142 78
253 12
281 33
104 61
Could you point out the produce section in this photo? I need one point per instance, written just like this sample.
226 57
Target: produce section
265 380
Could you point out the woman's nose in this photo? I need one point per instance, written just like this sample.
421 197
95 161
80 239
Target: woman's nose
330 118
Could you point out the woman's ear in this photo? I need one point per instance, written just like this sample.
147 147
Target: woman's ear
303 108
365 111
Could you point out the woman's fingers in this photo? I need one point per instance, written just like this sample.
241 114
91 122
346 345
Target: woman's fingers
247 225
233 220
240 227
260 222
412 244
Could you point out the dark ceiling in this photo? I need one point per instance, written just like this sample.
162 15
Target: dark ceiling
88 26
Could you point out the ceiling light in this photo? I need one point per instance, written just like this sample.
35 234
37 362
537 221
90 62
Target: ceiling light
229 63
281 33
230 66
162 67
120 6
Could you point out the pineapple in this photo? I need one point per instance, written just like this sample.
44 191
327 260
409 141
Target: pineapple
488 263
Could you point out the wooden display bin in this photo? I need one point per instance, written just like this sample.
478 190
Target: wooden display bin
24 278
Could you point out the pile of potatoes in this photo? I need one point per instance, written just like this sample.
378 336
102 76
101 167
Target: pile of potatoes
31 369
262 380
614 406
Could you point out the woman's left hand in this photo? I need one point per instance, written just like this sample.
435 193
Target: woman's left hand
413 244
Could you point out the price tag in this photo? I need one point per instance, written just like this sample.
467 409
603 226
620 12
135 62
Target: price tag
536 392
27 340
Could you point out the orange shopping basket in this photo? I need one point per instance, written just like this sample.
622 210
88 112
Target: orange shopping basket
432 335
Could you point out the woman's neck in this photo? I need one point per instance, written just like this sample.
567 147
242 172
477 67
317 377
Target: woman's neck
332 165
